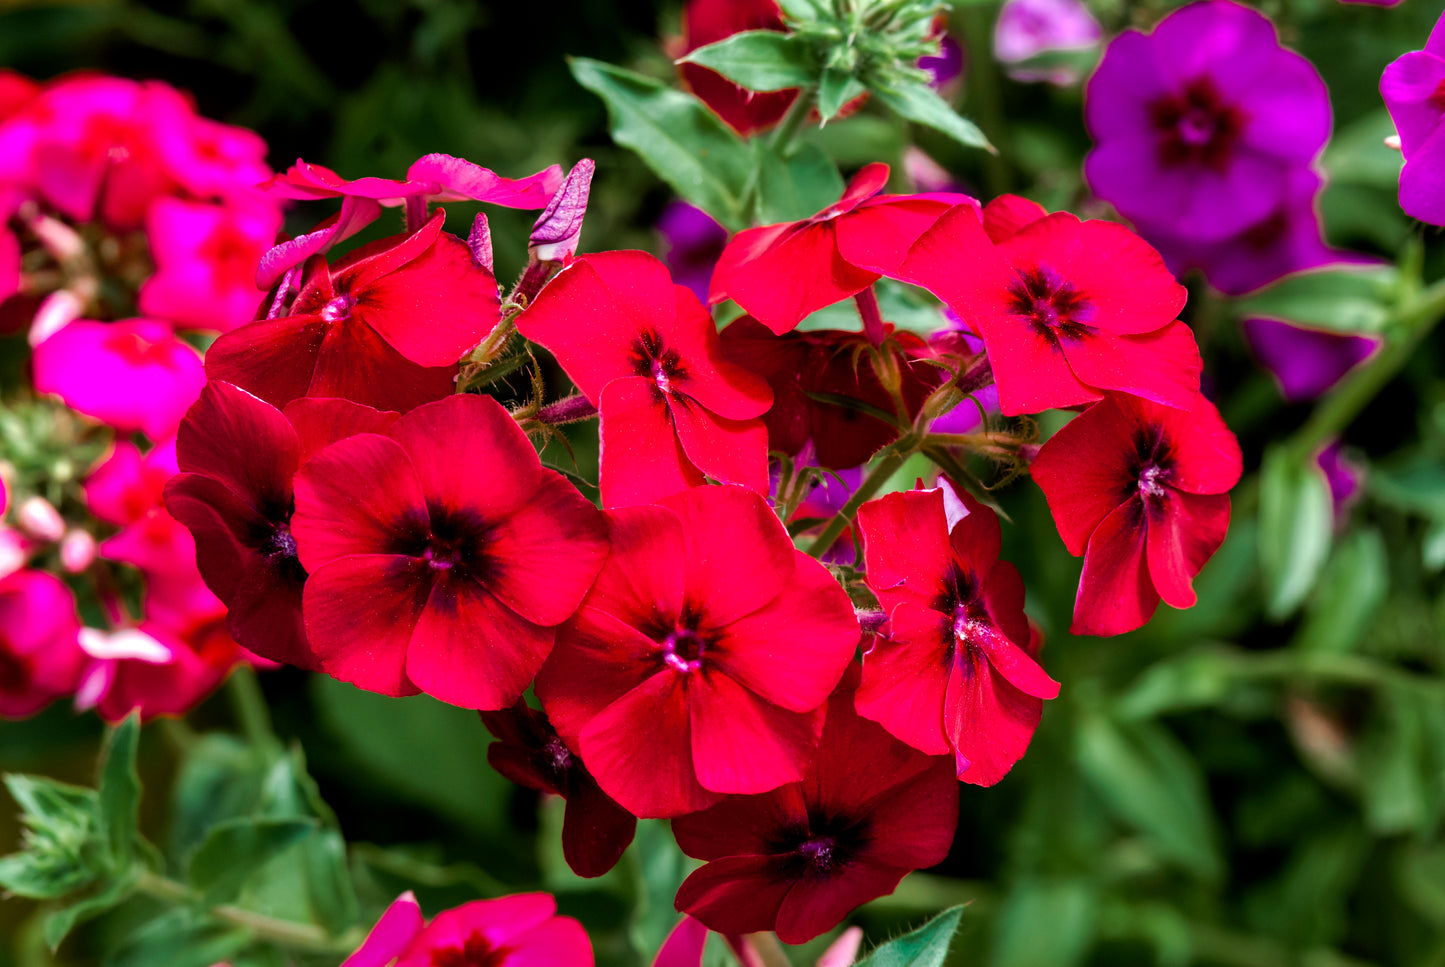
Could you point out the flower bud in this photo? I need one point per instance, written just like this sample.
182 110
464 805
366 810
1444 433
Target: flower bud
77 551
59 310
39 520
556 232
14 551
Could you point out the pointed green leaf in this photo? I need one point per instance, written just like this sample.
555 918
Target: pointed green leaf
1354 299
925 947
1296 527
42 877
835 89
119 791
1351 590
59 924
803 9
1068 906
236 848
920 103
796 188
760 60
680 140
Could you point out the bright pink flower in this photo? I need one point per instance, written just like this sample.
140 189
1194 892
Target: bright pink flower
427 574
206 259
16 90
1067 309
781 273
132 375
239 455
126 485
800 365
647 354
40 659
710 635
798 859
1412 90
161 548
528 751
9 263
433 177
383 327
708 21
154 669
955 671
210 159
1139 490
397 927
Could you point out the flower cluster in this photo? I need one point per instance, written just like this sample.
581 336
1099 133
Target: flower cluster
127 223
1411 87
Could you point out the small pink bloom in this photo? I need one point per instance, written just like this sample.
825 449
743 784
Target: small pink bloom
15 550
433 177
77 551
512 931
154 669
40 659
132 375
39 520
396 929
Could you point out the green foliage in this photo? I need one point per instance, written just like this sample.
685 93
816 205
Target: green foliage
1296 521
920 103
925 947
1352 300
760 60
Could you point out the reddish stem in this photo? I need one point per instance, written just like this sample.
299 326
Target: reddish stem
867 304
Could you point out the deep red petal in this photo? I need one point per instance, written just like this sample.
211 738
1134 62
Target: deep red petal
905 676
242 441
1184 532
815 906
640 456
1116 593
320 422
595 830
905 546
736 894
744 744
989 721
596 660
781 360
1084 471
1162 366
360 612
358 496
741 825
731 451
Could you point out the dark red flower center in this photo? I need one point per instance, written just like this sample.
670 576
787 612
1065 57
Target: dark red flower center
447 539
1437 97
683 650
1050 305
338 308
476 952
662 365
1196 126
557 756
824 848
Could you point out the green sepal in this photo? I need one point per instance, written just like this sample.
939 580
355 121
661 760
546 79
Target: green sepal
920 103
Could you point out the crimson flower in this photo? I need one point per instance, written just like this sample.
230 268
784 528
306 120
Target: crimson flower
441 555
238 454
383 327
1067 309
522 930
799 366
700 661
955 671
781 273
528 751
647 355
798 859
1139 490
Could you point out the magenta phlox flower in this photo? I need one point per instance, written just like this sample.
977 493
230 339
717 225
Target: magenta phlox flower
154 669
40 657
694 242
1305 363
1027 28
798 859
1413 87
132 375
425 574
432 177
724 667
1199 123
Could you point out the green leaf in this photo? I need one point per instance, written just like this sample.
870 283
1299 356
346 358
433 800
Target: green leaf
920 103
760 60
119 791
676 136
1069 908
1351 590
180 938
797 187
803 9
1296 527
328 881
59 924
42 877
1354 300
59 855
835 89
1196 679
1416 486
659 869
1358 154
1151 783
925 947
1433 552
234 849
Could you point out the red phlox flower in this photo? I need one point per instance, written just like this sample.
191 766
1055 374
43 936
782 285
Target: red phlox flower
954 671
800 365
206 257
426 573
1139 490
1067 309
798 859
781 273
40 658
700 661
528 751
239 455
708 21
131 375
383 327
647 354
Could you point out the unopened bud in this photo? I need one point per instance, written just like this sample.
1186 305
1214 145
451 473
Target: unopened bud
556 232
480 242
39 520
77 551
14 551
59 310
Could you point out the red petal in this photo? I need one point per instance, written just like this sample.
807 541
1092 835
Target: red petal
722 526
640 750
990 722
731 451
1162 366
736 894
868 182
241 441
877 234
360 612
1206 455
1184 532
727 390
906 547
914 820
1120 273
641 581
1116 593
595 830
741 825
640 456
815 906
744 744
1006 214
797 275
343 507
1030 368
321 422
470 649
781 360
905 676
1084 471
596 660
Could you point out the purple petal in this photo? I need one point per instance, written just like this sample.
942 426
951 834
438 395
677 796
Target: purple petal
1305 362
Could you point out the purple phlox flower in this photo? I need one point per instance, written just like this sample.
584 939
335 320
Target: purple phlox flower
1305 363
1288 239
1027 28
1345 476
559 227
694 242
1200 124
927 175
1414 91
947 66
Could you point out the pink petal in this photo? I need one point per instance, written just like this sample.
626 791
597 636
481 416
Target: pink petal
459 179
398 925
356 213
683 946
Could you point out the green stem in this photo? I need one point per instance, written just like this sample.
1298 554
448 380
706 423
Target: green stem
1356 390
892 459
249 705
984 97
285 933
778 143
